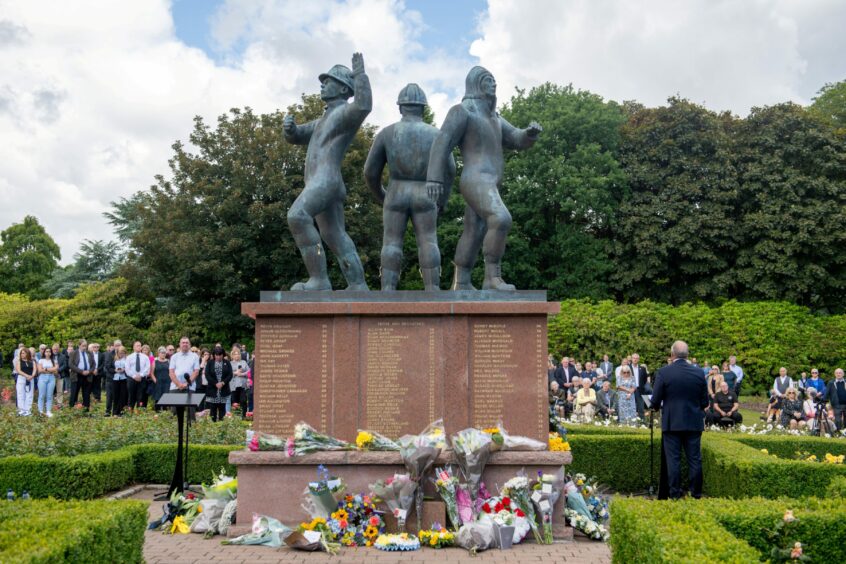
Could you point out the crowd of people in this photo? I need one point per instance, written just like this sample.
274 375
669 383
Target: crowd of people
604 390
130 379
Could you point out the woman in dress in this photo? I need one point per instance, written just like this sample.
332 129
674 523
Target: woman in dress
47 370
239 380
161 370
218 375
792 415
626 395
26 370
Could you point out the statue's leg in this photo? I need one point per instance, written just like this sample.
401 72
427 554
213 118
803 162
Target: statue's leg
468 249
498 221
301 223
333 231
394 221
424 217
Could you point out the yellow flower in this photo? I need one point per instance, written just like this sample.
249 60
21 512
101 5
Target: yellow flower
341 515
765 451
437 432
433 540
363 439
371 531
179 526
832 459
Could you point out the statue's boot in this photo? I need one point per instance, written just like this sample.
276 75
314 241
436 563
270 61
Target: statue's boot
315 261
353 272
493 278
390 280
431 279
461 278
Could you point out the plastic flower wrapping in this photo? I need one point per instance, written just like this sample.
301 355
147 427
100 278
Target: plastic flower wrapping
419 453
472 449
447 485
397 492
546 491
583 511
314 535
519 491
436 537
400 542
589 527
265 531
307 439
370 440
323 495
503 512
502 440
222 487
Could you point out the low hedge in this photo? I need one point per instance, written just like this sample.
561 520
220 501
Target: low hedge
786 446
93 475
618 461
41 531
722 530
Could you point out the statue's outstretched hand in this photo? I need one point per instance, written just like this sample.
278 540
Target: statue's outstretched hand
357 63
534 129
288 125
434 190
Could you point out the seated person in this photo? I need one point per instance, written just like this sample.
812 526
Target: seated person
557 398
791 411
571 394
585 403
606 401
725 409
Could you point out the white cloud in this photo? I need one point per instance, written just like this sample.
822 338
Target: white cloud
93 93
726 54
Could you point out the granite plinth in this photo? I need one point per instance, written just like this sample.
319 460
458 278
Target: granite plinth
393 364
271 483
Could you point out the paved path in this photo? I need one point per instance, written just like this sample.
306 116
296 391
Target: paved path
162 548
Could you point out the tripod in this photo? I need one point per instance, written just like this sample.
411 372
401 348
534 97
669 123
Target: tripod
821 422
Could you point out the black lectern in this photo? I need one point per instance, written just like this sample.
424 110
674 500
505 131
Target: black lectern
180 400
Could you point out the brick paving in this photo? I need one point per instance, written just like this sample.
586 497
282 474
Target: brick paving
160 548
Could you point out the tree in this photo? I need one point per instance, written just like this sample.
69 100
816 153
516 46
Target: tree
792 172
563 192
830 105
96 261
28 255
214 234
676 234
125 215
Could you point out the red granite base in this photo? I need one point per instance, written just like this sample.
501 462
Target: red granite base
271 483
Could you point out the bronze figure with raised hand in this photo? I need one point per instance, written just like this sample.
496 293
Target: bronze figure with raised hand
404 146
481 133
322 199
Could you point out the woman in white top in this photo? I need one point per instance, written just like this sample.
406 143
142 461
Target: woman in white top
120 391
238 385
47 370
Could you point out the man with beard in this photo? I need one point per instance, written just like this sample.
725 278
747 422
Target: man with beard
475 126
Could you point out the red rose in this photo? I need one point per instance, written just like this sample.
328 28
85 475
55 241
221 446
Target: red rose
498 507
506 502
519 513
189 496
486 508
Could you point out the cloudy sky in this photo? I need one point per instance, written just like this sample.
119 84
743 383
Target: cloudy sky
94 92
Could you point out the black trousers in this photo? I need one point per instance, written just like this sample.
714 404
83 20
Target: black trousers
118 396
715 418
110 384
839 416
691 443
86 391
74 393
218 410
137 392
97 386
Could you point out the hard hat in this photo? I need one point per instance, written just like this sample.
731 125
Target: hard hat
411 95
340 73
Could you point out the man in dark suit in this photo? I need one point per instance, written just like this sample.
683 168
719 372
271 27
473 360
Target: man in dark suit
836 393
82 368
109 370
608 368
99 371
606 401
680 392
564 375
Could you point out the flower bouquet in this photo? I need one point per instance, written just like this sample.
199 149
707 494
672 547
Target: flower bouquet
401 542
518 490
307 439
557 443
447 485
596 504
356 521
180 511
546 491
418 453
502 512
222 491
502 440
266 531
323 495
472 449
312 536
436 537
265 441
398 494
476 536
589 527
369 440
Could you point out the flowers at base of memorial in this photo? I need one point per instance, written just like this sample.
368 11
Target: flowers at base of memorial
505 513
557 443
503 440
178 513
369 440
314 535
496 438
447 485
578 511
307 439
222 487
324 494
395 543
546 491
356 521
397 492
419 453
589 527
472 449
436 537
518 490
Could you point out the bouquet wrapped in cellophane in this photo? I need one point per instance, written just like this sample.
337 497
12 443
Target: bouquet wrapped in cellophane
546 491
371 440
322 496
519 491
307 439
398 494
418 453
314 535
447 485
472 449
502 440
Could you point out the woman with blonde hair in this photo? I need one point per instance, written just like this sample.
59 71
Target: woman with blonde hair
238 385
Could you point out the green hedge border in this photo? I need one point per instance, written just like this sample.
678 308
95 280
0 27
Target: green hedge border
722 530
42 531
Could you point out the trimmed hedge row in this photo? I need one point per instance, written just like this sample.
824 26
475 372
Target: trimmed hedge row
41 531
93 475
722 530
620 461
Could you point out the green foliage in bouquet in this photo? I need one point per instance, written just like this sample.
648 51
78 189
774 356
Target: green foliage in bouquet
40 531
722 530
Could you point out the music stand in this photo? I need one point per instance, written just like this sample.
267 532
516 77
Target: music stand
180 400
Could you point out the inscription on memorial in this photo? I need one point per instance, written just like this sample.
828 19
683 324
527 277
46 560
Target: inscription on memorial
399 373
292 374
494 372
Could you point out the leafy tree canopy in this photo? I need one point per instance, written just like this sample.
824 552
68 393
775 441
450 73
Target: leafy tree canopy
28 256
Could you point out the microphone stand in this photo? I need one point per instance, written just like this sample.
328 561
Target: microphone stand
187 432
648 405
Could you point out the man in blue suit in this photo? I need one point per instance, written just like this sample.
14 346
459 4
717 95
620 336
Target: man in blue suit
681 393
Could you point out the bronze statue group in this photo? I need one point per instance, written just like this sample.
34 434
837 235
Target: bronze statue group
421 172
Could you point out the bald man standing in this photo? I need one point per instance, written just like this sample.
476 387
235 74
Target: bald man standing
681 394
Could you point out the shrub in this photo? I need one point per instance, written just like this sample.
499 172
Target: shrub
154 463
618 461
40 531
836 488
